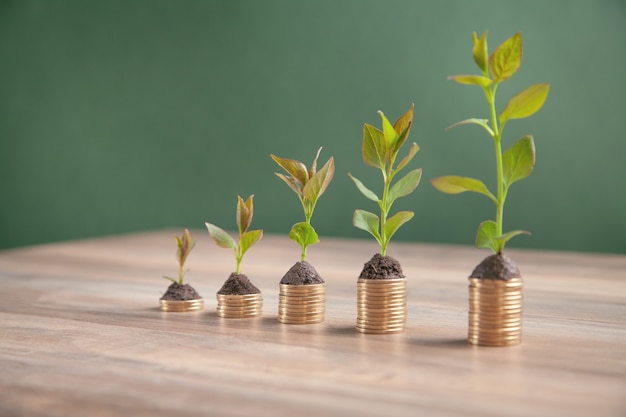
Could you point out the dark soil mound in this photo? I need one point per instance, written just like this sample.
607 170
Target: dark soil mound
238 284
382 267
496 266
179 292
302 273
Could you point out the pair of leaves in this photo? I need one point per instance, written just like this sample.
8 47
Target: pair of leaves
245 210
487 236
381 147
518 162
307 184
403 187
370 222
185 244
303 234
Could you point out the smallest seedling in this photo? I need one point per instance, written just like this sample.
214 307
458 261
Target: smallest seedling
185 244
247 238
309 185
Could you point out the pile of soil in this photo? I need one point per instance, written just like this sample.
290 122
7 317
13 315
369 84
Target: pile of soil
179 292
302 273
497 266
238 284
382 267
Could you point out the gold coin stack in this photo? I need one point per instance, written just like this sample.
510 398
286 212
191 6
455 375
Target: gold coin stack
180 306
302 304
495 312
239 306
381 305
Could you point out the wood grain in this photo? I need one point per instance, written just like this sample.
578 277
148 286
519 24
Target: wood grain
81 334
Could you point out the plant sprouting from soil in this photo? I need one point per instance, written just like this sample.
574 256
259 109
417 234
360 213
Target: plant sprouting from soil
309 185
185 244
247 238
380 150
518 161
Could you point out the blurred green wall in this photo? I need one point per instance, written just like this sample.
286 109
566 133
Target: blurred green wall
121 116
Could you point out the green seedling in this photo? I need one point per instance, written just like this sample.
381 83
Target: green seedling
247 238
380 150
185 244
309 185
518 161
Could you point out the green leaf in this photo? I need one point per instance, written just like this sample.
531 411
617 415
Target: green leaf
175 281
313 168
295 185
481 122
393 223
303 234
374 146
508 236
453 184
318 183
363 189
506 59
472 80
295 168
248 239
486 236
185 245
479 51
412 151
367 221
518 161
245 210
390 134
404 186
221 237
526 103
404 122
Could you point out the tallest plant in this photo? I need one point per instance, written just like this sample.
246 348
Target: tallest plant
495 289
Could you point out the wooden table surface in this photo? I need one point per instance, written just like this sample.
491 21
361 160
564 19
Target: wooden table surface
81 334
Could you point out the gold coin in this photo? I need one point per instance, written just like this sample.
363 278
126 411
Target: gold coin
180 306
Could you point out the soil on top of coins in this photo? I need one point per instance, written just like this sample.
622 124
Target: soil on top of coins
302 273
238 284
496 266
382 267
179 292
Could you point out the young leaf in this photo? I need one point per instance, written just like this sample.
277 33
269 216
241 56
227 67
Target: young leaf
506 59
185 245
221 237
294 184
453 184
405 121
295 168
486 236
393 223
526 103
404 186
518 161
303 234
479 51
367 221
313 168
374 146
248 239
318 183
390 134
412 151
507 236
363 189
472 80
481 122
245 210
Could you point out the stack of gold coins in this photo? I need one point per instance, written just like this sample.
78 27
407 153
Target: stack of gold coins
179 306
495 312
302 304
239 306
381 305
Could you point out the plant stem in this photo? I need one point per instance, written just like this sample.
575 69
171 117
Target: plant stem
384 241
497 135
180 274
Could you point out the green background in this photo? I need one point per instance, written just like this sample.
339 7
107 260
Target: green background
122 116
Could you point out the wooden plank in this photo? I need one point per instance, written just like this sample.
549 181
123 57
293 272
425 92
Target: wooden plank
82 334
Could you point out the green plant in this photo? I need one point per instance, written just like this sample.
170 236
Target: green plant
380 150
518 161
185 244
309 185
247 238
